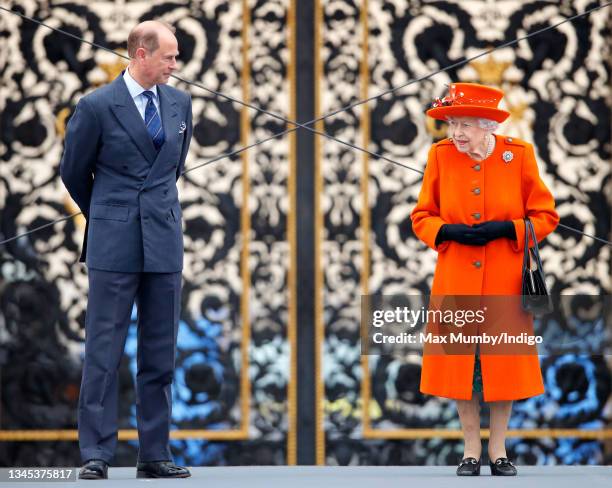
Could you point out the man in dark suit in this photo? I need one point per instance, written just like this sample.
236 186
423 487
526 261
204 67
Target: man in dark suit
125 149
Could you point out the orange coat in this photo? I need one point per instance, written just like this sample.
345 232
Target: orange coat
457 189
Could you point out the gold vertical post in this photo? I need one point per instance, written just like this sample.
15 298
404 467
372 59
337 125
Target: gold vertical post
245 222
291 237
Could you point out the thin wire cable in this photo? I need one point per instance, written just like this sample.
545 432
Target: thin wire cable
459 63
584 233
219 95
330 114
394 89
40 227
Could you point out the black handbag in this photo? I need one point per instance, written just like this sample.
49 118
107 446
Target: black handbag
535 297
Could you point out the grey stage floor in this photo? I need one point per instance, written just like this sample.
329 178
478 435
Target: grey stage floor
357 477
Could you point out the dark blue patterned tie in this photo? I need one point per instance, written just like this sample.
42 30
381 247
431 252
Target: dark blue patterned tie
153 121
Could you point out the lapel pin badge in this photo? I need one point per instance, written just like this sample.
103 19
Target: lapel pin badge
507 156
182 127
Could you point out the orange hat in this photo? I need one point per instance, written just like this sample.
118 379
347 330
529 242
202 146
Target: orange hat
469 100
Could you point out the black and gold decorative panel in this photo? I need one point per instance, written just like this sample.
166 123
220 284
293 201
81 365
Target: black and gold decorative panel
557 89
230 391
235 385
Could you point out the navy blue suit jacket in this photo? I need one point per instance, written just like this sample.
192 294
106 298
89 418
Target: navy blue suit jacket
124 187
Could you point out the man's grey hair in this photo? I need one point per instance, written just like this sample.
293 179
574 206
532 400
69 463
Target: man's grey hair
145 35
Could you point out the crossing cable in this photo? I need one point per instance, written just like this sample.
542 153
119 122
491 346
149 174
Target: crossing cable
329 114
307 124
221 95
457 64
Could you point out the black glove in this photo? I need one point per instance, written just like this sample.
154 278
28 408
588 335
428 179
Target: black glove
495 229
461 233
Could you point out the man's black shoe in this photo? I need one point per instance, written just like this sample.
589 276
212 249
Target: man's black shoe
94 469
161 469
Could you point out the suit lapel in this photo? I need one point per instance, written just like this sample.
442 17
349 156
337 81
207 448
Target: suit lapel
168 115
128 116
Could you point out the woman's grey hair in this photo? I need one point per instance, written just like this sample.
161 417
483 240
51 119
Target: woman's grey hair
486 124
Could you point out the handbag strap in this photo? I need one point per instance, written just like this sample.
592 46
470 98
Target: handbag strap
529 229
526 260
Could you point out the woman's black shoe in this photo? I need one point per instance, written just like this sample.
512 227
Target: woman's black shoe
469 467
502 467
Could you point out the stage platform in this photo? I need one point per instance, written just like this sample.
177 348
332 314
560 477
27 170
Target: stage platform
359 477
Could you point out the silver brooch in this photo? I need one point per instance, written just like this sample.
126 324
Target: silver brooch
182 127
508 156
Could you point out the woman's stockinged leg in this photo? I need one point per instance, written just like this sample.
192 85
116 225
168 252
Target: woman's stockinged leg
469 415
499 416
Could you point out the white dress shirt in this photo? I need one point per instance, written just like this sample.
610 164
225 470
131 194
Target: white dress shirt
136 92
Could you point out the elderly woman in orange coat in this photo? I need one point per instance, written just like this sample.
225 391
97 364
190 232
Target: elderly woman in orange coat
477 189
